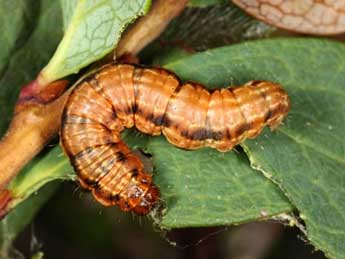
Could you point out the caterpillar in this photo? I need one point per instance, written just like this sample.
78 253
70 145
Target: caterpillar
119 96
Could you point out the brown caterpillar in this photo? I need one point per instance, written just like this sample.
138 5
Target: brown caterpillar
119 96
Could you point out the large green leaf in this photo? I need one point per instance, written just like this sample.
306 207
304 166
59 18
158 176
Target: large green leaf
16 20
29 191
43 169
27 56
17 219
93 30
306 156
209 188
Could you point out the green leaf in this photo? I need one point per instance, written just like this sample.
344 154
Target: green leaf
28 58
43 169
205 187
94 28
209 188
17 219
16 20
306 156
68 8
28 196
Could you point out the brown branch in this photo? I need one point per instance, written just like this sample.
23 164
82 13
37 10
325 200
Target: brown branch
39 108
32 126
149 27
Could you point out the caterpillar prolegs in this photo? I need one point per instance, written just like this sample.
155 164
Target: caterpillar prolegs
120 96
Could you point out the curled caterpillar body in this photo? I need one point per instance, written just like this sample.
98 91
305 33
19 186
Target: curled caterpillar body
120 96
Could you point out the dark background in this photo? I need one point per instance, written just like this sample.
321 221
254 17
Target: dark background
73 225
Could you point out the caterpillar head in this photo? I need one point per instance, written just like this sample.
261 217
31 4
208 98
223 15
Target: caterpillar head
148 201
140 196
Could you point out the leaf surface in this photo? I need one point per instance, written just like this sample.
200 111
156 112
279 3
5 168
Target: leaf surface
306 155
43 169
209 188
17 219
16 21
25 62
92 29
